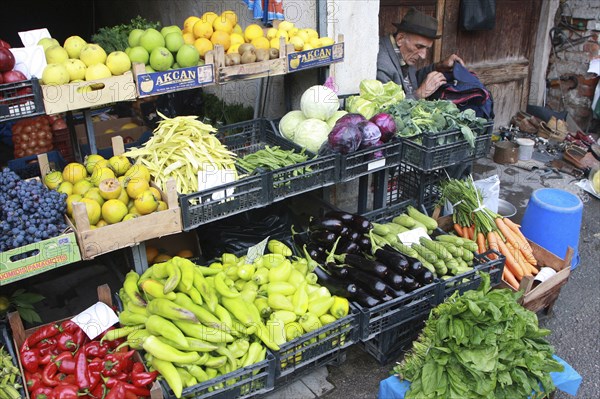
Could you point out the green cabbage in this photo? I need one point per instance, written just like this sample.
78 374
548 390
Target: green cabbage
371 89
337 115
288 125
311 134
359 105
374 97
319 102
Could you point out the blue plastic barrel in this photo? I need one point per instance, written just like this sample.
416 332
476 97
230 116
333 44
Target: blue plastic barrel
552 219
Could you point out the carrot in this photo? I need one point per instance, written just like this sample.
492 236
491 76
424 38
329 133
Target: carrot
493 244
510 261
532 269
510 279
519 258
471 232
516 238
459 230
481 243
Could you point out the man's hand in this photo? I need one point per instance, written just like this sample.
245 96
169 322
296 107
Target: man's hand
447 64
431 83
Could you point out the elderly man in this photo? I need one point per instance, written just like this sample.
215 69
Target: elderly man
398 53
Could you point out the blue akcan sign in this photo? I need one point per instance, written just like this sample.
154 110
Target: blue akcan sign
316 57
174 80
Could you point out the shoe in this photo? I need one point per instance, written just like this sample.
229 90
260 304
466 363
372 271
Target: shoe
586 138
548 131
580 158
574 140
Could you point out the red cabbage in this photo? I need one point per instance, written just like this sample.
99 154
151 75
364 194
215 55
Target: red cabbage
370 134
386 125
344 138
352 119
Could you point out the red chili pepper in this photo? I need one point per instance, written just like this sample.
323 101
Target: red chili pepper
140 377
65 341
114 363
44 332
136 390
81 370
48 345
95 349
99 392
47 358
49 375
69 326
65 362
67 379
42 393
116 392
80 337
30 360
126 359
65 392
34 381
130 395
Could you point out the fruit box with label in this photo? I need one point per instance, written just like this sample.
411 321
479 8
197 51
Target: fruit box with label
39 257
134 134
20 334
184 244
543 296
81 95
154 83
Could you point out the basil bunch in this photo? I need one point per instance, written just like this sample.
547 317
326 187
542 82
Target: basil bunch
481 344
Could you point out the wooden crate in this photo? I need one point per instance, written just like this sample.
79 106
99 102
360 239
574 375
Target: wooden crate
82 95
544 295
20 334
272 67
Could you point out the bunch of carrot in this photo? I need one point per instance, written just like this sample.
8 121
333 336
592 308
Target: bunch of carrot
490 230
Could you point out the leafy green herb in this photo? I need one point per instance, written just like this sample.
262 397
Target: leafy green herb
481 344
115 38
414 117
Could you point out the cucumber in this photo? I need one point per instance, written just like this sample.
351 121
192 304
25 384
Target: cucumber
404 220
414 213
380 229
458 241
425 253
439 250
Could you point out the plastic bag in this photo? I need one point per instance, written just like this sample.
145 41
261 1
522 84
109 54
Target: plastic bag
477 14
490 188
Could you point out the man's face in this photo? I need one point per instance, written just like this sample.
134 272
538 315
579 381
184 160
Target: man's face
413 47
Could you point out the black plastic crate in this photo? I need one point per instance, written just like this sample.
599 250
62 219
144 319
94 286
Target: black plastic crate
304 351
249 381
333 359
7 342
251 136
370 160
471 279
483 143
28 167
389 345
440 150
222 201
21 99
407 182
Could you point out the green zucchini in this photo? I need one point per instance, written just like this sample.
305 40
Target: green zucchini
428 255
439 250
396 228
453 249
421 217
405 249
380 229
404 220
458 241
440 267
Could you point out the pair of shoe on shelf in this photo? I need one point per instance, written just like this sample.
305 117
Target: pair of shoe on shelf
580 139
526 123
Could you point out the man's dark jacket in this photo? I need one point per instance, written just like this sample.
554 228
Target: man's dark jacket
388 66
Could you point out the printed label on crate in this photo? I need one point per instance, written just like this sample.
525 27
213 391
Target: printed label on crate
208 179
96 319
380 163
37 258
315 57
176 79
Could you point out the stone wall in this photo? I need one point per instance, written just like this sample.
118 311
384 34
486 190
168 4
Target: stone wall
576 34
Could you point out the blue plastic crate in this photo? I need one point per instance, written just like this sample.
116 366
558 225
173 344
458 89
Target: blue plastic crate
28 167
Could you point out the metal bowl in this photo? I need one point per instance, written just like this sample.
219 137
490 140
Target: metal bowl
506 209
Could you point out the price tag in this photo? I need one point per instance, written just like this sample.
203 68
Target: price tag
256 250
412 236
380 163
211 177
32 37
96 319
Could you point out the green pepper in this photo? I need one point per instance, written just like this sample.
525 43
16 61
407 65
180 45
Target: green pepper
160 270
197 330
187 379
229 259
312 278
216 361
296 278
203 315
280 302
230 271
309 322
261 276
272 260
174 275
170 310
293 330
128 318
136 338
276 330
191 344
284 315
254 351
163 351
122 332
187 271
130 286
170 374
239 347
207 291
340 307
320 306
277 247
281 272
280 287
249 294
321 292
246 271
155 289
160 326
262 304
197 371
300 265
327 319
222 288
212 373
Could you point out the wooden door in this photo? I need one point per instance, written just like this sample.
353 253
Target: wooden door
500 57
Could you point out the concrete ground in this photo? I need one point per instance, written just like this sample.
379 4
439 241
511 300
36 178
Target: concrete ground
574 321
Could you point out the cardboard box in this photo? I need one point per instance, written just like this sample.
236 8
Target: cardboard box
20 334
44 256
318 57
104 131
73 96
151 84
173 244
